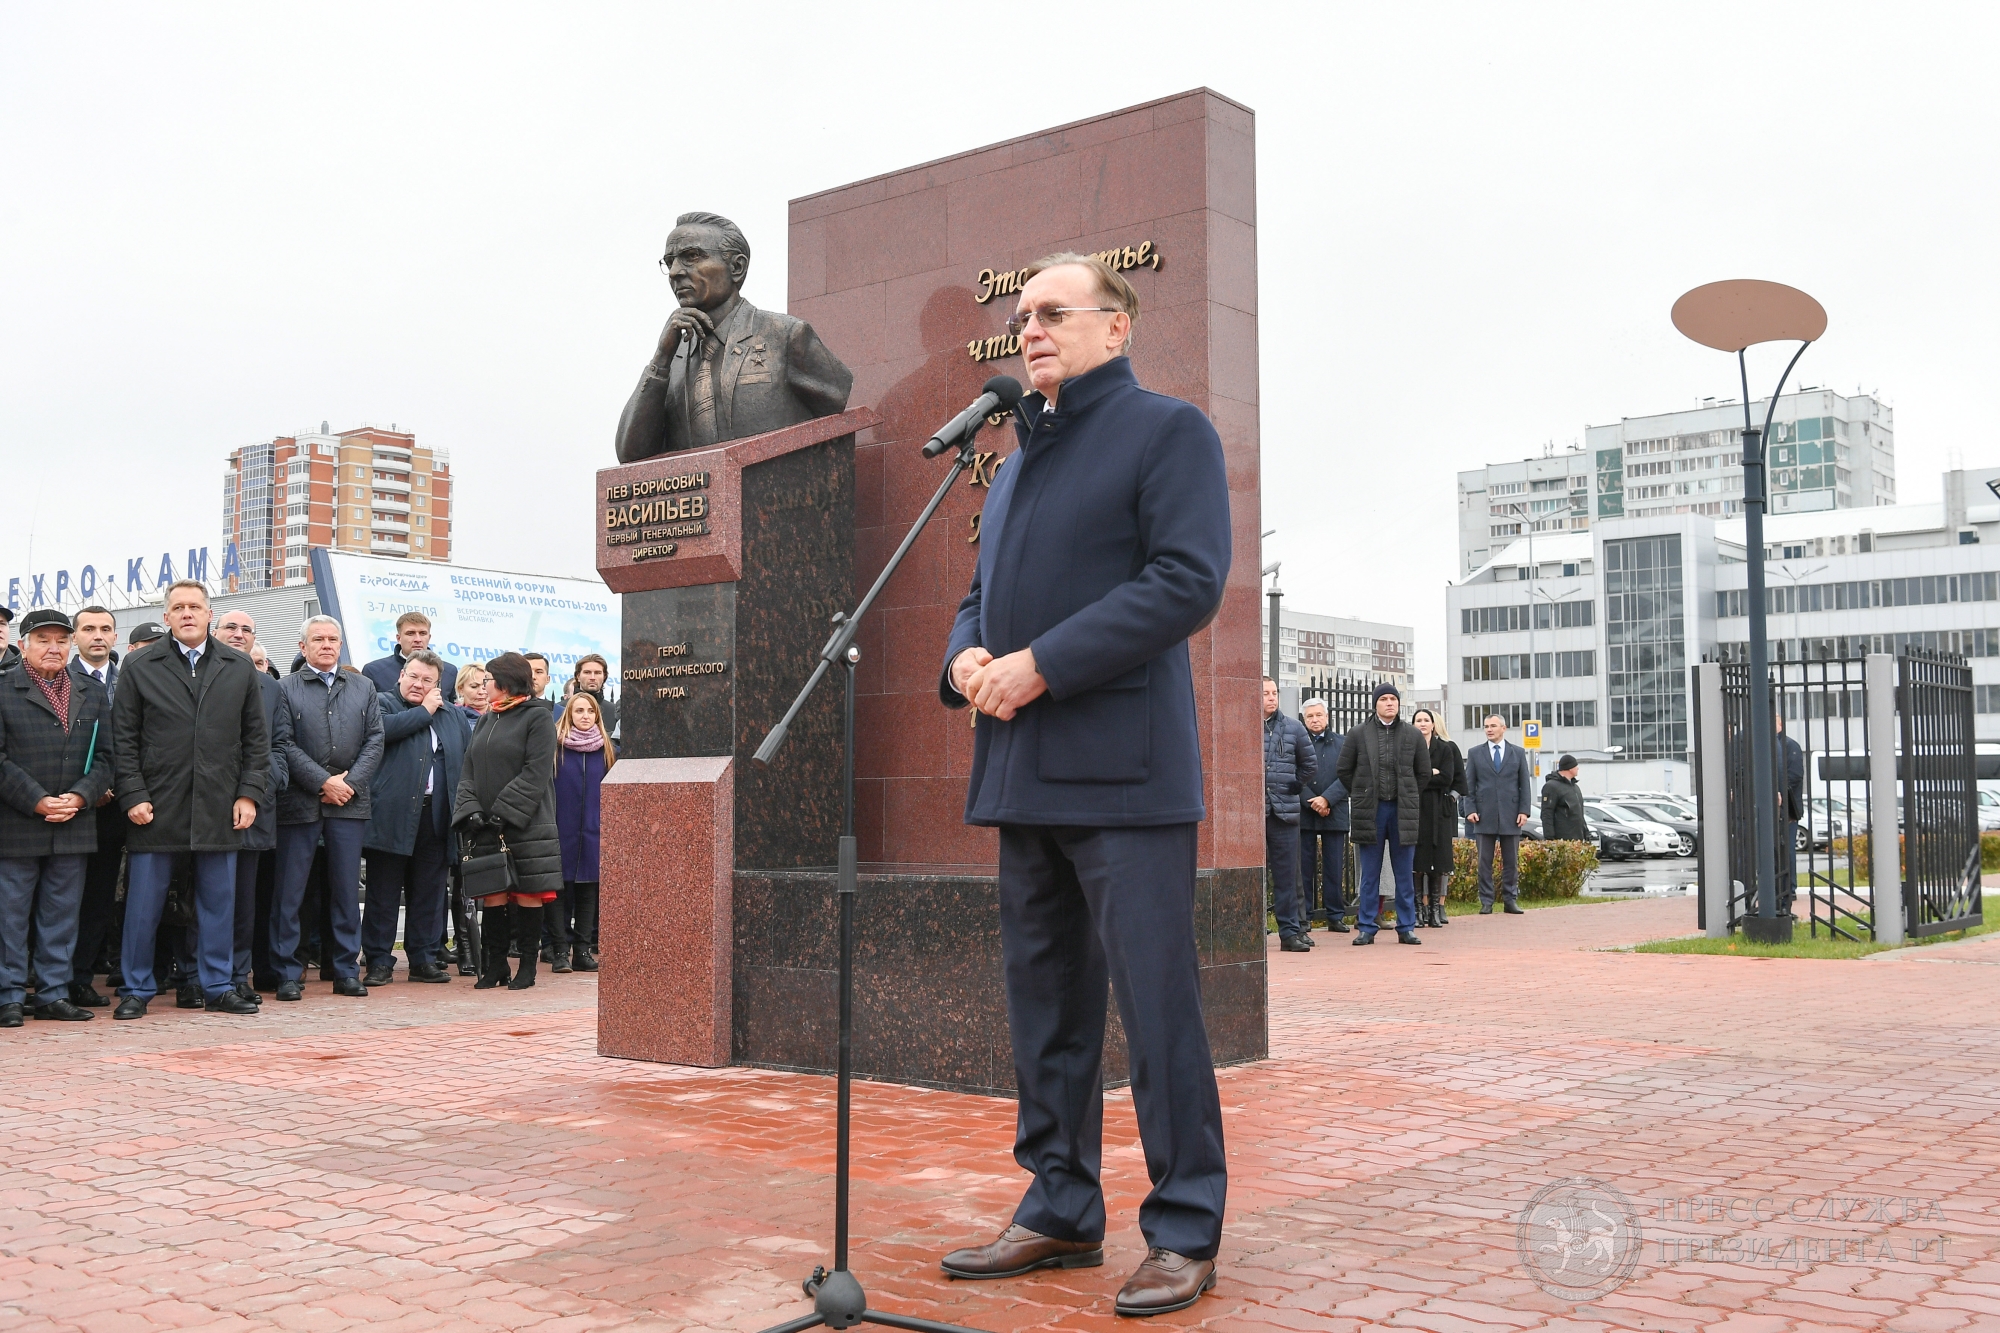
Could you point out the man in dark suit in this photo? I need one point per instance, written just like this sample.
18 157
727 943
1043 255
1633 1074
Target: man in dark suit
724 369
54 731
1499 791
1791 773
97 920
257 861
413 635
1106 543
408 842
194 756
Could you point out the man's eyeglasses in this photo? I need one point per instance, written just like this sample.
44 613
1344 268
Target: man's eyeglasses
692 255
1050 316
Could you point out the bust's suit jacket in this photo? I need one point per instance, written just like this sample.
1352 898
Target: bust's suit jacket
1496 795
770 371
1105 543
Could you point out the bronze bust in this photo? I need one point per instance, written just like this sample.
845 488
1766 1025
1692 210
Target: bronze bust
724 369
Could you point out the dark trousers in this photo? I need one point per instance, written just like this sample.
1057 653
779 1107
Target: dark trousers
1323 886
256 872
214 880
1080 907
1281 863
1368 900
44 891
1787 848
575 916
296 845
97 918
422 877
1510 866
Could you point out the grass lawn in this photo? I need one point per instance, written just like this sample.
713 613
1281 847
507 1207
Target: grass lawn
1805 946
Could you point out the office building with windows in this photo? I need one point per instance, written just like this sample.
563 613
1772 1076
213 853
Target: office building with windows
1317 648
1596 631
369 490
1827 451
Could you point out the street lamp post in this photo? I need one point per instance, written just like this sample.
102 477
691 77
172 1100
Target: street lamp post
1732 316
1534 573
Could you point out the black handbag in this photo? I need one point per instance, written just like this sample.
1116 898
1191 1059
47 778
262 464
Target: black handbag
483 872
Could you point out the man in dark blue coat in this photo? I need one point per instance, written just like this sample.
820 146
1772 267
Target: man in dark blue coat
409 844
1289 764
1791 774
1105 543
413 635
1323 820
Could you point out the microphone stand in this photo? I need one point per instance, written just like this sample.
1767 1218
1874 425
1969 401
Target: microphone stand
838 1301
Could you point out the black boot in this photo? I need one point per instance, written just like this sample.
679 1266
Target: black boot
1438 917
584 898
493 953
528 933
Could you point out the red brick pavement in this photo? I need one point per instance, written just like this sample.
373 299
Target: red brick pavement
436 1158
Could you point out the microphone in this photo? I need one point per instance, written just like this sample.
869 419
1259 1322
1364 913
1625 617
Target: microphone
1001 393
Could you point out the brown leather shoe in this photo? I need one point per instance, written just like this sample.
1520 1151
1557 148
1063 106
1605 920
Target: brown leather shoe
1019 1251
1164 1283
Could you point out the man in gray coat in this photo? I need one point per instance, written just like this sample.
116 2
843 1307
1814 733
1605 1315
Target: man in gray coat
335 748
1498 796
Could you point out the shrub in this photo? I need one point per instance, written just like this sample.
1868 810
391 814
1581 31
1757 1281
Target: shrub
1856 850
1548 869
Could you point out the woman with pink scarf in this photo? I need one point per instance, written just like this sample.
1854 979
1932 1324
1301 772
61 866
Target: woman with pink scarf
584 754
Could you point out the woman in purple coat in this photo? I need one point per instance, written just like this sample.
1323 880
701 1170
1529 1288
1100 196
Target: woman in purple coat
583 756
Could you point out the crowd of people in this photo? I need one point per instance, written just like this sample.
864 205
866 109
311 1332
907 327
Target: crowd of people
183 817
1398 789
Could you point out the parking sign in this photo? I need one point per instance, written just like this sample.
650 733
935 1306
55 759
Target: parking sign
1531 735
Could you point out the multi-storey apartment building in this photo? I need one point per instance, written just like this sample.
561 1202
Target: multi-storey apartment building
368 489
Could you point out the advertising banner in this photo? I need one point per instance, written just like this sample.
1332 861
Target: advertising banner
475 614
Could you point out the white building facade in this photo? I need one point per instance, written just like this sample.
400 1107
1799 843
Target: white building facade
1827 451
1596 632
1320 648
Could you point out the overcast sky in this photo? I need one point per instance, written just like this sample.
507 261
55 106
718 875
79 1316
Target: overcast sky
220 224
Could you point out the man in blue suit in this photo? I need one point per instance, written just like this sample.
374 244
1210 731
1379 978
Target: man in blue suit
1105 544
1499 789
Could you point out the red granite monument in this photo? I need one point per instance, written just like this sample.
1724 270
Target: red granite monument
909 278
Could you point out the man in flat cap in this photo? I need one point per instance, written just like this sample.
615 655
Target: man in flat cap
55 737
724 370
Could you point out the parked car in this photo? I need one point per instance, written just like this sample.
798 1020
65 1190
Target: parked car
1989 810
1620 837
1687 832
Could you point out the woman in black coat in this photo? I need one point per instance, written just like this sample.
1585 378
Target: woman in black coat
1438 827
508 787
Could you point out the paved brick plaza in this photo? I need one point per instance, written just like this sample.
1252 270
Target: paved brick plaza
436 1158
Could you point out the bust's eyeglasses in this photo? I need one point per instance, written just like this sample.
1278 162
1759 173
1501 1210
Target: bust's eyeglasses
1054 315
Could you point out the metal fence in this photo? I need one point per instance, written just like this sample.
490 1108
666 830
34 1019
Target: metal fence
1824 707
1940 793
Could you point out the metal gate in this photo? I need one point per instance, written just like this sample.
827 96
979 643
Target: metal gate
1940 794
1825 708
